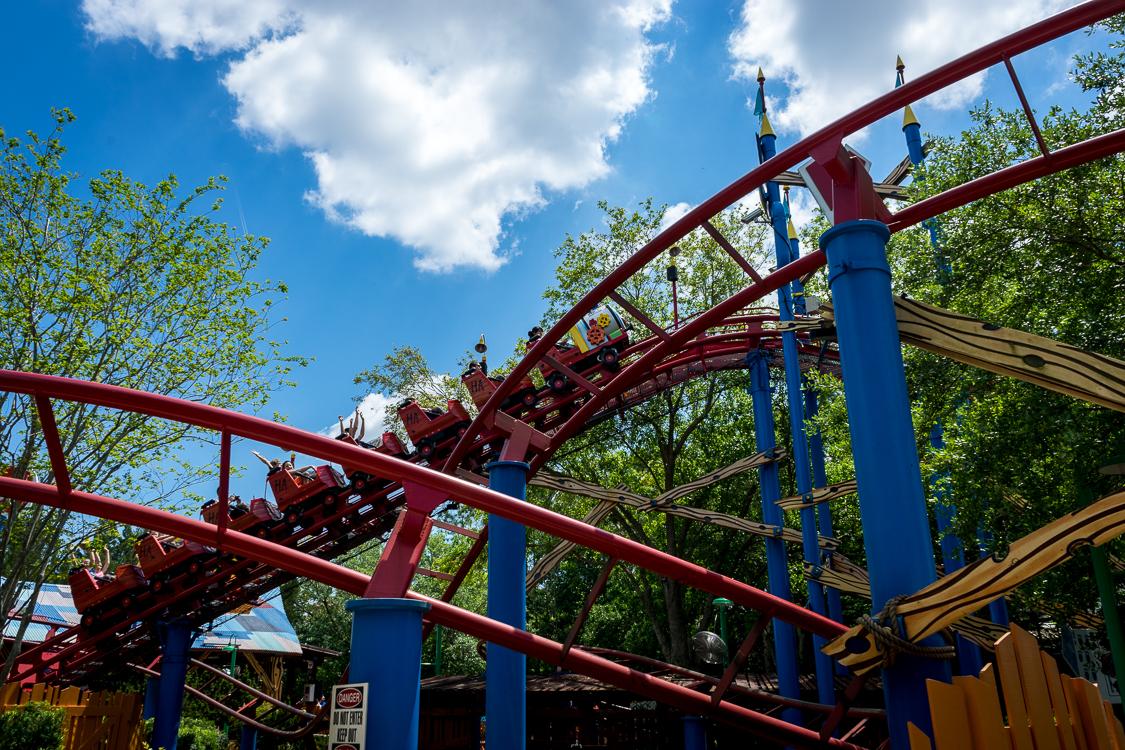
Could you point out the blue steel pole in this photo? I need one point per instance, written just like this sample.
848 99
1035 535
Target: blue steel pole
695 733
248 739
506 670
896 529
777 563
176 640
152 689
952 550
825 669
387 655
816 440
820 479
969 660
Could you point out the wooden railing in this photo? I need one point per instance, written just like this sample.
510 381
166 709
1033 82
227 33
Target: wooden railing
1045 710
94 721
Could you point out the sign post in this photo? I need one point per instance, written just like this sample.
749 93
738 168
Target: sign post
347 729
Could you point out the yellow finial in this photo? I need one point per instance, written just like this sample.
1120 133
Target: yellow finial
761 75
899 64
792 230
766 128
908 117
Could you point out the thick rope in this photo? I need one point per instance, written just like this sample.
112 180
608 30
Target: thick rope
887 632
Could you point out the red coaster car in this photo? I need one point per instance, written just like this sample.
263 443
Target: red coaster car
162 561
390 445
259 517
95 596
291 486
596 340
428 428
481 387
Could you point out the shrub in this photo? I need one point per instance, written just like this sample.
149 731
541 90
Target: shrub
33 726
199 734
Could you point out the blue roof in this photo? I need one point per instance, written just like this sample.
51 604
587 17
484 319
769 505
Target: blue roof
264 628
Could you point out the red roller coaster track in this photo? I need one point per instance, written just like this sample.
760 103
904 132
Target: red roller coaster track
695 341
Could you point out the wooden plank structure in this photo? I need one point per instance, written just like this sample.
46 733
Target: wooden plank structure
844 575
962 592
608 499
93 721
819 495
1045 710
1036 359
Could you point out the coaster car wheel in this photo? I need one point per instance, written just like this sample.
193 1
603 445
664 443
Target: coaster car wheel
557 382
529 398
609 357
425 449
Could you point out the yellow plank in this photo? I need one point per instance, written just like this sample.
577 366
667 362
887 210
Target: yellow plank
918 738
988 674
10 695
1009 670
1074 706
1116 738
1035 695
38 690
1063 718
1089 710
986 722
947 709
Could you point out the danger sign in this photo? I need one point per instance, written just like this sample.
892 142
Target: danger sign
348 723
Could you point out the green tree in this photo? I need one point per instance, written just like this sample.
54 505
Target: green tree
119 283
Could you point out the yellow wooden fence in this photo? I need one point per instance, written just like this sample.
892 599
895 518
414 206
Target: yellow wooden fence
1045 710
94 721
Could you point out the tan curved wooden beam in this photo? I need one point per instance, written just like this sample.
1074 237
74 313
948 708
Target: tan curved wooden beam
842 574
1059 367
818 496
960 593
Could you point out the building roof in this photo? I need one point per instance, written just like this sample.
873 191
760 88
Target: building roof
264 628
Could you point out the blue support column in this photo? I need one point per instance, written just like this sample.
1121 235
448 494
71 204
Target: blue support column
952 555
506 671
823 511
825 669
175 642
695 733
248 740
387 655
152 689
896 529
777 564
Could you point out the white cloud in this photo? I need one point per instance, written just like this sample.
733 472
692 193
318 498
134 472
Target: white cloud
430 123
373 409
201 26
835 57
672 214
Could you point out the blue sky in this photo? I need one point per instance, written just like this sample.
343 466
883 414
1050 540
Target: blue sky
660 109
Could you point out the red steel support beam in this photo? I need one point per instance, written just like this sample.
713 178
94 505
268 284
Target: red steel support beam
724 243
591 599
633 310
739 659
1026 108
54 445
224 487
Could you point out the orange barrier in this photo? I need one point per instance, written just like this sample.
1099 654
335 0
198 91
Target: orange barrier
94 721
1045 710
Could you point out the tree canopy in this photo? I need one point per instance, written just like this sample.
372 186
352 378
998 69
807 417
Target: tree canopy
122 283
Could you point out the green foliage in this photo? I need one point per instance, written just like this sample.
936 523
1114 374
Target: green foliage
199 734
126 284
405 373
32 726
